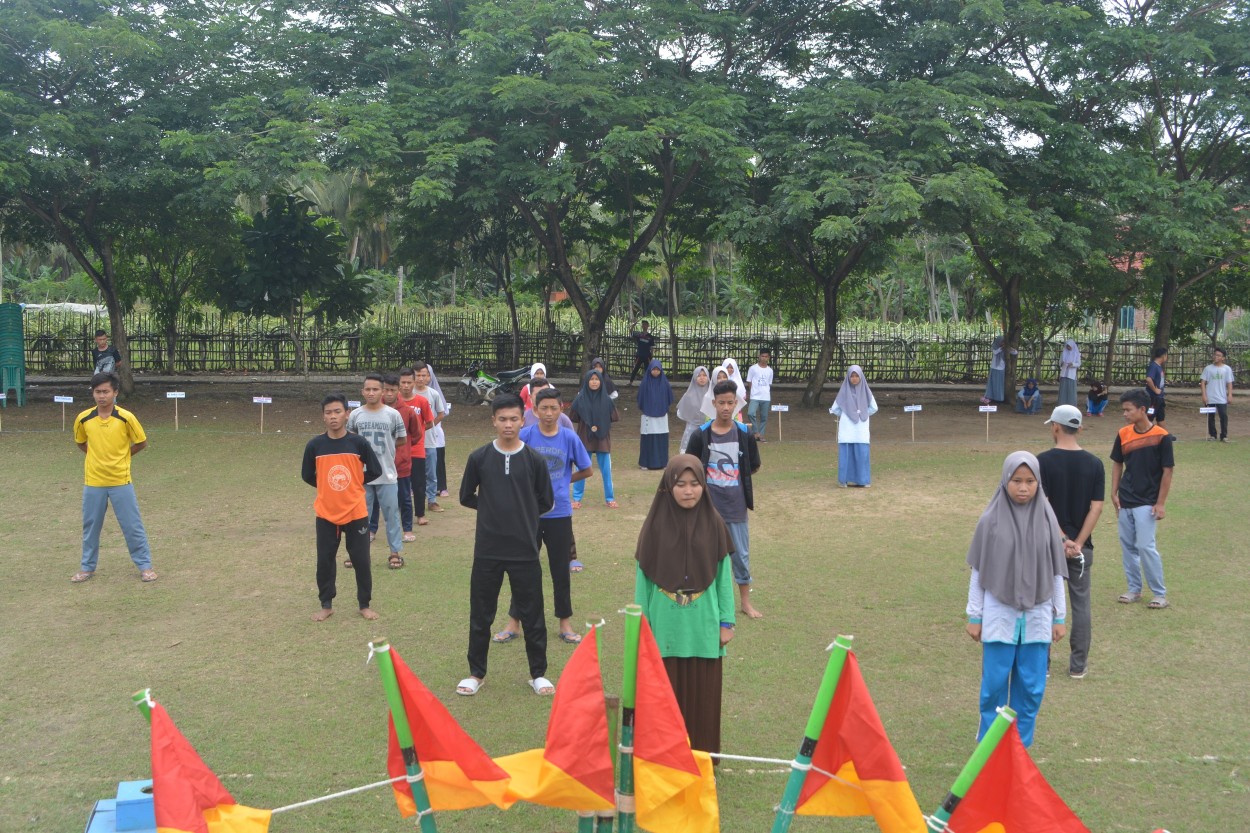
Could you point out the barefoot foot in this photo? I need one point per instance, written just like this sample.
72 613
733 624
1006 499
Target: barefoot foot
323 614
751 613
368 613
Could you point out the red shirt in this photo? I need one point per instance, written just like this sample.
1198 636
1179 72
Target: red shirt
426 415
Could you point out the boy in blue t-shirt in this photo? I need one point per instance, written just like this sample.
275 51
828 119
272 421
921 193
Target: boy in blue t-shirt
567 461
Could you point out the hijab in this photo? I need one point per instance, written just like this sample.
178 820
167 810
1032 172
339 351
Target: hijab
689 408
681 549
1017 549
537 366
434 381
655 393
1030 386
708 407
735 377
594 407
1071 353
997 344
854 400
608 386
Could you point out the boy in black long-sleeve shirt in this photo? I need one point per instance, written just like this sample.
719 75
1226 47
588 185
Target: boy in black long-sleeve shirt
509 486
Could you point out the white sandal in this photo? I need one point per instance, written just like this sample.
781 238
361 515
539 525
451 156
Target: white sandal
543 686
469 686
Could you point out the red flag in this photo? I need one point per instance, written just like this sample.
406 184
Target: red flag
458 774
674 788
1010 795
187 797
574 769
853 746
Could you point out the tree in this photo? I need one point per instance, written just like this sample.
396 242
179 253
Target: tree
289 265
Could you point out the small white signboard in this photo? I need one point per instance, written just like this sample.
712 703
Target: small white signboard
176 394
781 408
353 403
1206 409
911 409
1150 411
63 400
262 400
988 409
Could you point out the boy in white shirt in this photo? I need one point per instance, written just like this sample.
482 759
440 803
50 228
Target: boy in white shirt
1217 389
760 385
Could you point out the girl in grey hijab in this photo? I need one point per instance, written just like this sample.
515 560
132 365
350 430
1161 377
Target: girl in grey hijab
689 409
1016 601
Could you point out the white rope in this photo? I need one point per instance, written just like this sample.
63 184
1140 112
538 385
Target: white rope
352 791
791 763
420 776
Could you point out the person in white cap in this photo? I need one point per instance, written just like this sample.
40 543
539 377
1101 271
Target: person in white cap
1074 481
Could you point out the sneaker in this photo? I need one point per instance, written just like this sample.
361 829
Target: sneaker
1211 439
1078 675
434 507
1225 440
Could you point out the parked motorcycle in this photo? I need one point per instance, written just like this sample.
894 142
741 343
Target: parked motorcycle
479 386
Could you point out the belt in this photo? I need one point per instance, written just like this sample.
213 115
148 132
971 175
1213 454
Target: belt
683 597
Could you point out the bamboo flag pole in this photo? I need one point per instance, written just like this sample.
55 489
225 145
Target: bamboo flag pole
629 691
416 778
143 702
802 763
938 821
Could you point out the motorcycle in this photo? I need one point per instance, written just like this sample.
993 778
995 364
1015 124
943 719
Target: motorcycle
479 386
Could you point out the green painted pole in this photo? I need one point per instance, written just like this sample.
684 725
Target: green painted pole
802 763
416 778
938 821
143 701
629 691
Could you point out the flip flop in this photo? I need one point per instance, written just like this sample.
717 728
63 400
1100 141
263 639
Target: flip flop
81 576
504 637
542 686
612 504
571 638
577 504
409 537
1129 598
1157 604
395 561
347 562
147 575
576 566
469 686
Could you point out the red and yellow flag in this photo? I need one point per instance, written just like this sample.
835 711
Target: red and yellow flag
574 770
458 773
853 747
186 795
1011 796
674 787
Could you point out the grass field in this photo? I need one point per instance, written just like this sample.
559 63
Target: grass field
283 709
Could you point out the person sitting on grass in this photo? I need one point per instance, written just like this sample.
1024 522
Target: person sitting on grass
1096 398
1029 398
509 485
1016 603
338 465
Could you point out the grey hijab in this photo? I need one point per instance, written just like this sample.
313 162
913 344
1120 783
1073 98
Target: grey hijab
688 409
1017 549
854 400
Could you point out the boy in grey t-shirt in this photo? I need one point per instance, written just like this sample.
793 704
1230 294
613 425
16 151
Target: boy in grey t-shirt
1217 389
383 428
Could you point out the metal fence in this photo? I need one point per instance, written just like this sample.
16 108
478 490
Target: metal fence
58 342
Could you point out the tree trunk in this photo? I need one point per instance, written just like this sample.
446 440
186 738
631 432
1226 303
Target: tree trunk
828 343
1167 311
1015 330
506 279
297 339
171 341
1111 340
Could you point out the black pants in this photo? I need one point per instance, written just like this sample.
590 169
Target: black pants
525 579
357 535
442 469
557 533
1222 410
640 363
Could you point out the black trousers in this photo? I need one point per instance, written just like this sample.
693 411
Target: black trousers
525 579
357 535
442 469
557 533
1222 411
640 363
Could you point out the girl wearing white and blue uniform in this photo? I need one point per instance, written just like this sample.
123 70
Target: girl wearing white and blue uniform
853 406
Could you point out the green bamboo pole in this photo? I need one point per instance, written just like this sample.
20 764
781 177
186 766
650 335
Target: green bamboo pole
629 691
382 650
938 821
815 725
143 701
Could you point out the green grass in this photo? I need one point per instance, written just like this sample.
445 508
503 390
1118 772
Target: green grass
284 710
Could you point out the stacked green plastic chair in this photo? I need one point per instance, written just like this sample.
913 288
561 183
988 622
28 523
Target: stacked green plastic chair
12 353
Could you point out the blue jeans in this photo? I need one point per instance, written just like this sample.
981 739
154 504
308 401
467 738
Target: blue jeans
757 414
1013 675
431 473
1032 406
1095 408
1137 541
95 501
605 471
740 558
386 495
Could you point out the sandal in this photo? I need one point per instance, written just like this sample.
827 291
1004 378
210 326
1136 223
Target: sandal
395 562
347 562
542 686
570 637
504 637
1129 598
1157 604
577 504
613 504
81 576
410 536
576 566
147 575
469 686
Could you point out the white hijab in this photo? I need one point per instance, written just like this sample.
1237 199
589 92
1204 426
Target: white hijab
1071 354
709 408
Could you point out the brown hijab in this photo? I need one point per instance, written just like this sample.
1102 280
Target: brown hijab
681 549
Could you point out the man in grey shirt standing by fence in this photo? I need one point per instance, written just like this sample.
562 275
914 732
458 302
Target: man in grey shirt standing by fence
383 428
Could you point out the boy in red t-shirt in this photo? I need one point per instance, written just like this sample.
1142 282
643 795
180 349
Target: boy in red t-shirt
406 460
406 395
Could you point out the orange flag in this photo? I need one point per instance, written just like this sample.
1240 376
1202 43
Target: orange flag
1011 796
186 795
674 787
574 770
869 778
458 774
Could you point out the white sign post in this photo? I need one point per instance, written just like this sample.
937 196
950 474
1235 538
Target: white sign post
175 395
987 410
63 400
4 398
352 404
262 401
912 409
779 410
1207 409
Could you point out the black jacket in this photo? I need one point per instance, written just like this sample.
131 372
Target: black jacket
748 456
